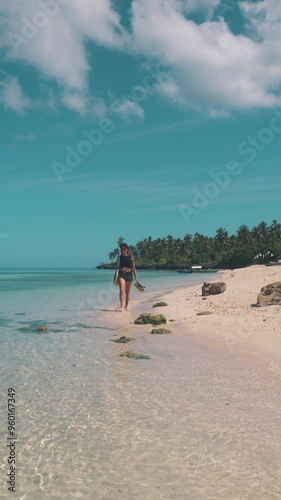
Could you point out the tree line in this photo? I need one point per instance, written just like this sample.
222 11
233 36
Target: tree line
247 246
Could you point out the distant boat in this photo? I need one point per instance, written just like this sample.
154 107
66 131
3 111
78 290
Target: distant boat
197 269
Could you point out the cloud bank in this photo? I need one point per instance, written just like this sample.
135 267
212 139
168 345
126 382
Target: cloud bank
212 69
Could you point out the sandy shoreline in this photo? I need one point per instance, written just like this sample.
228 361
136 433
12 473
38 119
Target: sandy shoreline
208 401
233 325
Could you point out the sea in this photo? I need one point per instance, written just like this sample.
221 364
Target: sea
79 420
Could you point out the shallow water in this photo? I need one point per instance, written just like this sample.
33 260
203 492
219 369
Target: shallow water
189 423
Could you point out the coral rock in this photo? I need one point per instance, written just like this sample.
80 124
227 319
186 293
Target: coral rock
159 331
213 288
270 295
152 319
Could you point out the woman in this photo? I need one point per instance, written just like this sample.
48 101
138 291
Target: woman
127 268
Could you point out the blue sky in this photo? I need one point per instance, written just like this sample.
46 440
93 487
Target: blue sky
135 118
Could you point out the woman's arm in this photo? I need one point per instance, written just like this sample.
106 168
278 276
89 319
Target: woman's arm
134 269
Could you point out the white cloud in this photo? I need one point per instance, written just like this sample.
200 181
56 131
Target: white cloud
12 96
98 21
51 46
75 100
51 35
263 19
212 69
127 109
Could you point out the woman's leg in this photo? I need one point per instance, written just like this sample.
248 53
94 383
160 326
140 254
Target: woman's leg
121 292
128 292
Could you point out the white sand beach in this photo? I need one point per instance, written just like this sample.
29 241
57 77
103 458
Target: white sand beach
234 324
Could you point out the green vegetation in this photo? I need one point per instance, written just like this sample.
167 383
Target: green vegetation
248 246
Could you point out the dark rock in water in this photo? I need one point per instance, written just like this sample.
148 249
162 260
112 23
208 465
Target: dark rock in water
33 327
41 329
204 313
152 319
122 340
160 331
213 288
134 355
270 295
160 304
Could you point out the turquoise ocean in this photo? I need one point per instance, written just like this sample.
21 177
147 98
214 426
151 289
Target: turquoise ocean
62 377
191 422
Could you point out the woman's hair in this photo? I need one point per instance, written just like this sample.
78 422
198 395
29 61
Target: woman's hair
124 245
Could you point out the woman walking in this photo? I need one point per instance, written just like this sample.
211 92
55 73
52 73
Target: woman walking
127 268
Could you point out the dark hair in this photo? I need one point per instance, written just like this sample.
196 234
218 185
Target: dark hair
124 245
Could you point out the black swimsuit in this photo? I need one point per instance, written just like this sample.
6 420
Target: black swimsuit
126 261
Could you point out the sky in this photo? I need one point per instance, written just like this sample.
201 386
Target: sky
135 118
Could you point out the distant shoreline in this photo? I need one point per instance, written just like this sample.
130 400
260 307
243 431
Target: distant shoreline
155 267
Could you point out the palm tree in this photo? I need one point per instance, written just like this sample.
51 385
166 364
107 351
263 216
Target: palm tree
159 251
275 229
187 248
120 240
198 246
260 234
114 254
244 234
178 251
170 249
199 249
221 239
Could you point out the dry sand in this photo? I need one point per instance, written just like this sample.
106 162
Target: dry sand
234 324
